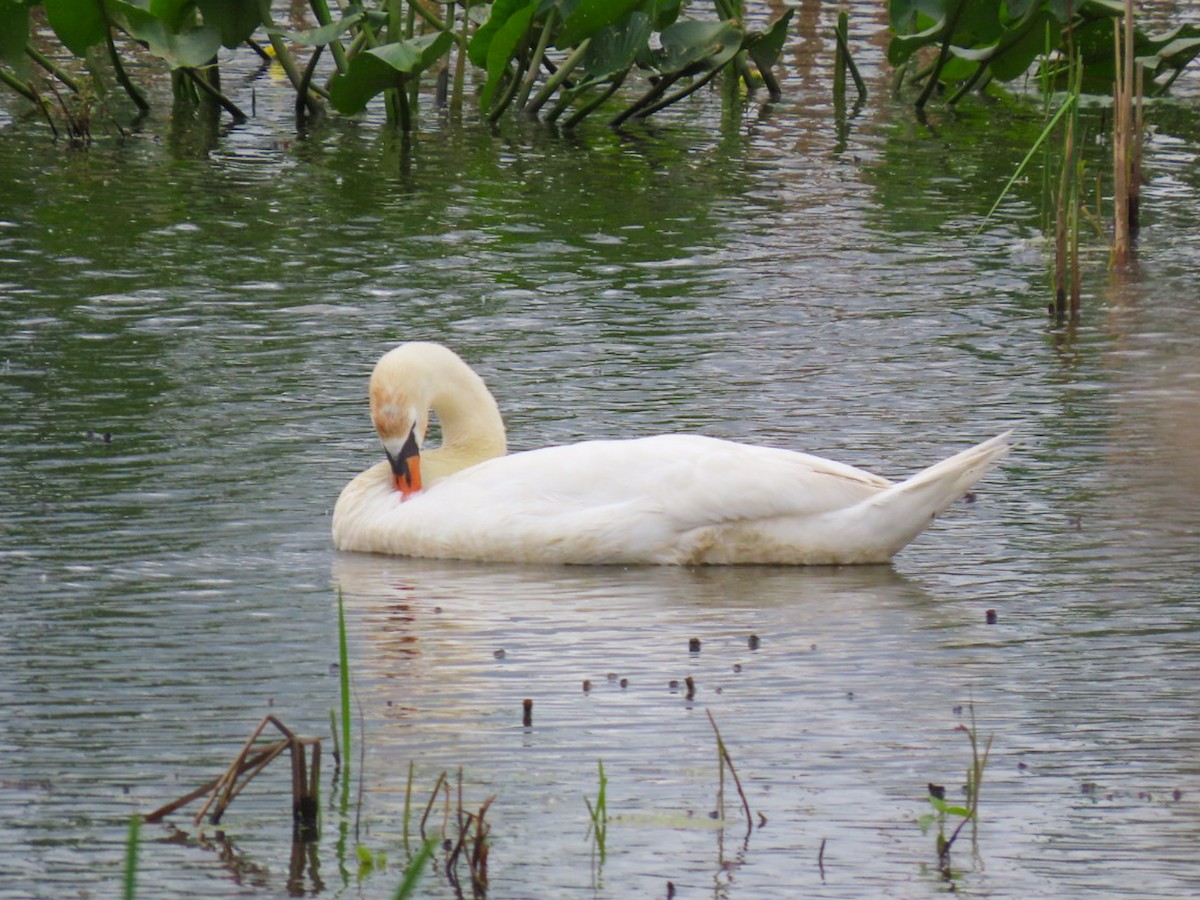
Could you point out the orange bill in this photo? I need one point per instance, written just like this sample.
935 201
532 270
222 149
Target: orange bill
406 467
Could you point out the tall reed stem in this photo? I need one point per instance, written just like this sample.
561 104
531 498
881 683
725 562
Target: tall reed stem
1127 141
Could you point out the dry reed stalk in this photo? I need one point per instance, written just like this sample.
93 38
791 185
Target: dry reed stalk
429 806
248 763
1127 141
723 752
164 811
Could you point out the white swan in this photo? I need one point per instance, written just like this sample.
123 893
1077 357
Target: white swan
672 499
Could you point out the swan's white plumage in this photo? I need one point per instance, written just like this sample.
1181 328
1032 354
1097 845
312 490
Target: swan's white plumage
672 499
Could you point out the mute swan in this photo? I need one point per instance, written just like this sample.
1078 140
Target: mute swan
672 499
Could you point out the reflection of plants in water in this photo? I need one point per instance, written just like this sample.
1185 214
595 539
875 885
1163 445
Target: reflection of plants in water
944 812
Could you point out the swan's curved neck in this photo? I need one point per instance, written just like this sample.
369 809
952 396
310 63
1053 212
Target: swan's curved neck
415 378
468 414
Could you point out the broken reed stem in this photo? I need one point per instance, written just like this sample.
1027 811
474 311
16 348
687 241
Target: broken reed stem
844 62
199 792
471 828
429 806
249 762
479 852
227 780
460 806
724 754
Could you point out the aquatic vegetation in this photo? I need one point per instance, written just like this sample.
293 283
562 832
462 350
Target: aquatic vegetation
725 760
414 870
944 810
369 860
344 689
1128 128
528 52
252 759
599 815
1068 192
843 62
972 44
129 879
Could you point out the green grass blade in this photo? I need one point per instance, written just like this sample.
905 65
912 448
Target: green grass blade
131 853
414 870
1068 104
344 667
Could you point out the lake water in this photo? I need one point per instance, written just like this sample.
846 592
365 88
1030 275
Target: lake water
798 276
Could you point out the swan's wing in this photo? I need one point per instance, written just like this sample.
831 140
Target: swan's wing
691 481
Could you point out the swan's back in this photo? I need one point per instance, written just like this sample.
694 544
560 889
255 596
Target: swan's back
672 499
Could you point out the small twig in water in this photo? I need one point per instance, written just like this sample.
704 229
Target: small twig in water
429 806
724 753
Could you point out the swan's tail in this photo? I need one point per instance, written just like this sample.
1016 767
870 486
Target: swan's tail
900 513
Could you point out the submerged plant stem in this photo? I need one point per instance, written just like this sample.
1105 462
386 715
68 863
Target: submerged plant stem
553 82
129 882
344 676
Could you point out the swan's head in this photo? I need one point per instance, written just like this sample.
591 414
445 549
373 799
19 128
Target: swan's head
400 401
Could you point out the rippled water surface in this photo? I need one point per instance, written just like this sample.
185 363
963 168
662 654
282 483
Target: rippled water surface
185 334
